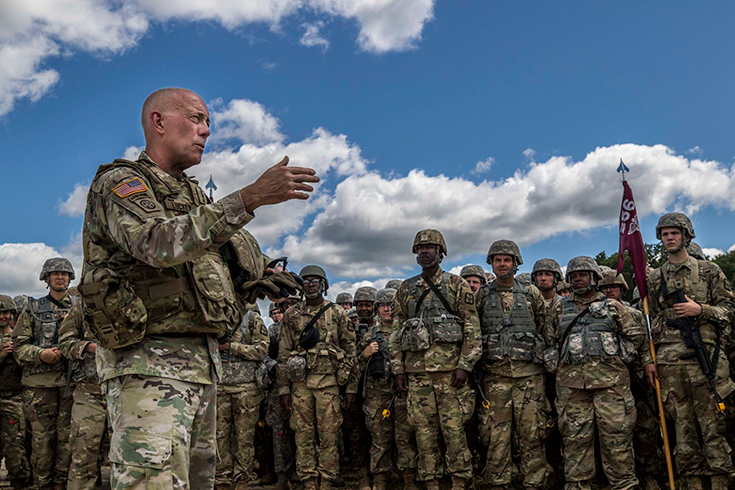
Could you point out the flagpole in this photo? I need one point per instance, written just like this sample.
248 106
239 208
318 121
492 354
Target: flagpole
661 417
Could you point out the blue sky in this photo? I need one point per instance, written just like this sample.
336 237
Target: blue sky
552 93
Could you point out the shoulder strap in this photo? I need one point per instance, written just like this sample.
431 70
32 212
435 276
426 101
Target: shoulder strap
439 295
318 315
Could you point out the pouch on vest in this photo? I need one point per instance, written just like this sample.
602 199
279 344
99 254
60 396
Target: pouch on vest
343 365
447 329
551 359
216 300
376 366
414 336
117 315
296 368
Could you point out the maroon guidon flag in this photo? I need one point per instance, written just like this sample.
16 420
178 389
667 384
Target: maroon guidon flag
631 239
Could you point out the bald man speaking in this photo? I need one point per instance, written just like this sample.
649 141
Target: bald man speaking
158 291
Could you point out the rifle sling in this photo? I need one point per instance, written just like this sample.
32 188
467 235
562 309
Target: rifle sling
314 319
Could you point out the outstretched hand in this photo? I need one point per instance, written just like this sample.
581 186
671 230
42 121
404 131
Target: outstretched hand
278 184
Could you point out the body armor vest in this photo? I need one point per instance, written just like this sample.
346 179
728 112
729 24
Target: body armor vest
48 321
514 337
698 292
593 336
201 289
442 325
235 369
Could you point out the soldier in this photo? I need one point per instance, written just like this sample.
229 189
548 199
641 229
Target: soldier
546 275
275 312
164 272
393 284
386 412
12 419
512 319
239 394
434 346
46 405
20 301
344 300
563 289
593 338
474 275
694 250
709 303
524 279
352 315
316 354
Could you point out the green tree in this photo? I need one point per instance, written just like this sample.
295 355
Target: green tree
655 257
727 264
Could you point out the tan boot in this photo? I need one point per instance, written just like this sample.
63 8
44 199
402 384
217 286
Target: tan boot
458 483
364 478
693 482
719 482
380 481
310 484
283 483
432 484
409 480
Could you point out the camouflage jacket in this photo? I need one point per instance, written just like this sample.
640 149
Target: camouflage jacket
595 373
10 370
74 337
254 347
709 287
335 332
137 229
439 357
384 384
28 354
537 309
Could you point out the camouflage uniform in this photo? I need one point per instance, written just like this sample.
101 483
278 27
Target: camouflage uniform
12 419
239 394
47 407
89 411
166 239
317 405
687 395
276 417
593 384
434 406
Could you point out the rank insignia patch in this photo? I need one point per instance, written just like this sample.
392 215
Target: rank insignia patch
130 187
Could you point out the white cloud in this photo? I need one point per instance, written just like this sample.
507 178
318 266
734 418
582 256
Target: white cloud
312 38
529 153
712 252
244 120
32 32
483 166
75 204
731 248
697 151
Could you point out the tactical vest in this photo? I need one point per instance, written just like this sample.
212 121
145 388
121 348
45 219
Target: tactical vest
48 321
697 291
443 326
593 336
514 337
235 369
10 371
201 288
378 366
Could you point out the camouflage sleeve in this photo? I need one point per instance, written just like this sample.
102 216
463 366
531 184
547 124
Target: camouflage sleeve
464 303
25 351
259 341
540 310
347 341
630 329
285 346
645 351
653 284
71 334
721 307
138 225
550 328
361 360
400 315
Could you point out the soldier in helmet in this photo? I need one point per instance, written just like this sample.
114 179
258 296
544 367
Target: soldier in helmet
434 345
596 336
393 284
524 278
694 250
344 300
512 318
20 301
46 401
386 412
352 315
563 289
316 355
474 275
546 275
12 419
701 447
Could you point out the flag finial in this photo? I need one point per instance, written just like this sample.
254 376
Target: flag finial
622 169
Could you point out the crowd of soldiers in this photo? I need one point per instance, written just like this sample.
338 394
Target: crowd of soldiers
494 376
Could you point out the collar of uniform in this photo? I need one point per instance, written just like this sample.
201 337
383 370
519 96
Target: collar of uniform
579 300
143 157
437 277
671 267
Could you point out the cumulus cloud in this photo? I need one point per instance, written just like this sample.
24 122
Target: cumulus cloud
32 32
483 166
712 252
697 151
75 203
244 120
529 153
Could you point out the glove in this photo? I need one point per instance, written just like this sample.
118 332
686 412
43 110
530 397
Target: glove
276 286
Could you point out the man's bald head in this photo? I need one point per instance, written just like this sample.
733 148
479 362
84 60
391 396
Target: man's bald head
163 100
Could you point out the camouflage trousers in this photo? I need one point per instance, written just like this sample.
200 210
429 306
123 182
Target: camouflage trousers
689 401
436 409
356 435
389 432
277 419
88 424
316 413
49 414
163 433
12 435
237 417
612 411
518 412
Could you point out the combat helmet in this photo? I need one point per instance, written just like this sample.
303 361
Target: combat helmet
696 251
274 306
524 278
474 270
393 284
343 298
505 247
547 265
365 293
584 263
56 264
21 301
429 237
612 278
385 296
315 270
7 304
563 286
676 220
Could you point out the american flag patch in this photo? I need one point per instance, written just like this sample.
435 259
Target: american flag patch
130 187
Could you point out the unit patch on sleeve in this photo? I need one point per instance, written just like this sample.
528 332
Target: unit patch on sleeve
469 298
130 187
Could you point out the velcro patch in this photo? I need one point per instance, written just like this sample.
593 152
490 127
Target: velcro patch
469 298
132 186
